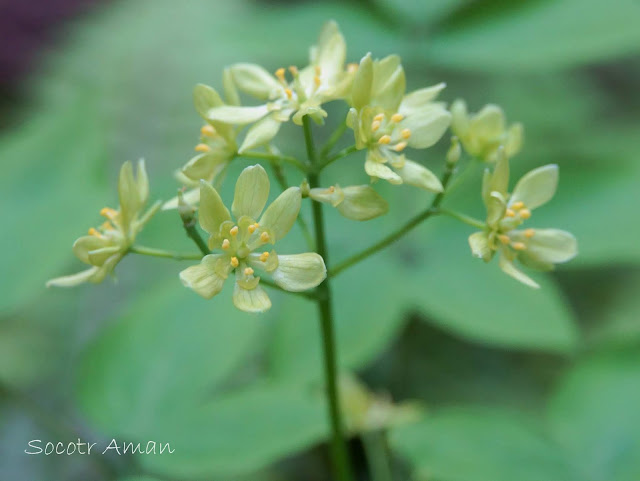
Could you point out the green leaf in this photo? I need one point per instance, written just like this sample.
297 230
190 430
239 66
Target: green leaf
238 432
538 35
171 348
480 444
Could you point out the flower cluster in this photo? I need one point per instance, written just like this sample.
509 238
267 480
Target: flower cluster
390 127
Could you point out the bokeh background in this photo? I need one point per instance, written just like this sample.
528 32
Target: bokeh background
519 385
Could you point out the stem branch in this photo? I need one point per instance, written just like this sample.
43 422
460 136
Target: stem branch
278 158
150 251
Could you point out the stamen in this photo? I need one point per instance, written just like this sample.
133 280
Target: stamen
332 189
517 205
234 231
202 148
510 213
379 117
248 271
318 70
352 67
289 93
519 246
264 237
405 134
385 139
207 130
252 228
294 70
106 226
317 81
529 233
504 239
226 244
234 261
108 212
280 74
397 117
525 213
375 125
94 232
264 256
400 146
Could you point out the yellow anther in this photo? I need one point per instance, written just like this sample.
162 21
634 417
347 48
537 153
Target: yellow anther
525 213
379 117
385 139
226 244
264 256
202 148
352 67
280 74
234 261
94 232
375 125
529 233
234 231
504 239
332 189
517 205
294 70
510 213
400 146
405 134
264 237
317 81
108 212
107 226
248 271
207 130
519 246
397 117
289 93
318 70
252 228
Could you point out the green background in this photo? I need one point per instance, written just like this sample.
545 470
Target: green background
520 385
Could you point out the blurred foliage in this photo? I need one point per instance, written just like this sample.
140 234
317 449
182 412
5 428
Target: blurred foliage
146 359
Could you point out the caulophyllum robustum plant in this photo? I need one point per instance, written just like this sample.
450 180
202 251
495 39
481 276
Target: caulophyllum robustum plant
392 127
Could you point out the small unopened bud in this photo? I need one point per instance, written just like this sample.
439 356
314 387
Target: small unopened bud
187 211
453 154
304 188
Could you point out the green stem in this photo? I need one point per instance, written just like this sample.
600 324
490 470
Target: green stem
394 236
463 218
333 139
282 181
189 223
376 452
278 158
339 455
339 155
150 251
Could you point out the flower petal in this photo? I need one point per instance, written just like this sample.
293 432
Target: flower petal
426 126
381 171
488 123
299 272
459 118
251 300
331 50
130 202
252 192
73 279
479 244
205 98
536 187
255 80
207 278
500 177
99 257
231 114
333 195
362 202
389 83
282 213
548 245
260 133
362 82
88 243
508 268
418 175
419 99
212 211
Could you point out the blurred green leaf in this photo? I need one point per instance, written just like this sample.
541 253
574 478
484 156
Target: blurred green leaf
536 35
170 348
480 444
238 432
593 432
